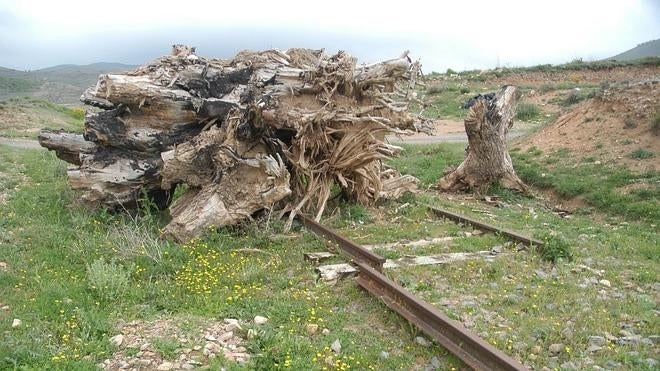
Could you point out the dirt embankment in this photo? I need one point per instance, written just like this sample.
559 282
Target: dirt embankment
615 127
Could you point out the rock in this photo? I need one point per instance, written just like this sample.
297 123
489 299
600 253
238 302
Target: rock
541 274
593 348
384 355
232 324
325 331
311 328
496 249
612 364
187 366
165 366
117 340
629 340
259 320
567 333
556 348
626 333
652 363
654 338
568 366
336 346
435 363
422 341
226 336
605 283
647 341
210 338
4 267
16 323
211 348
536 349
597 340
532 357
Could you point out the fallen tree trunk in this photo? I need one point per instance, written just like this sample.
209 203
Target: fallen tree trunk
487 160
262 129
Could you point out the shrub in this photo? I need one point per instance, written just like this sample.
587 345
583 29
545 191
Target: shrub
527 111
572 98
641 154
108 280
464 90
450 71
554 248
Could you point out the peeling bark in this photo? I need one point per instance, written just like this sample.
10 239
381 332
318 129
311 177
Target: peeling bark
487 160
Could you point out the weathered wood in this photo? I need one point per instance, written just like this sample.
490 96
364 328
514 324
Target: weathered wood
67 146
243 134
487 159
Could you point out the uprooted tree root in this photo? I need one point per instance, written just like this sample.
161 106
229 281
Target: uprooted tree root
262 130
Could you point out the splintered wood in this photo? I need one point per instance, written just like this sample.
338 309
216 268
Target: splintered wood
271 129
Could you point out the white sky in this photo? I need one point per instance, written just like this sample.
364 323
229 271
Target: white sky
458 34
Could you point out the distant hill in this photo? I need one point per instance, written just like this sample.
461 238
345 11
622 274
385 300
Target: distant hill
60 84
643 50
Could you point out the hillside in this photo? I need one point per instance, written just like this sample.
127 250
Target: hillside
643 50
60 84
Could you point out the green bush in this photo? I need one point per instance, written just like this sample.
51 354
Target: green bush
109 280
554 248
527 112
641 154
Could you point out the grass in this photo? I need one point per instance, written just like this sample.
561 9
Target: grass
599 185
61 257
641 154
527 112
25 117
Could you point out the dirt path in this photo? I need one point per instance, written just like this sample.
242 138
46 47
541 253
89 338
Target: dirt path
20 143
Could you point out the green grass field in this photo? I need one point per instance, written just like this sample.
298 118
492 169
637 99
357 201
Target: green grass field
73 275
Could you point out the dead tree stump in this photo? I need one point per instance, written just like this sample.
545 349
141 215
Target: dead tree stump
487 160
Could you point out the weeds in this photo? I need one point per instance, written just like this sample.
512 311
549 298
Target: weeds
527 112
641 154
109 280
554 248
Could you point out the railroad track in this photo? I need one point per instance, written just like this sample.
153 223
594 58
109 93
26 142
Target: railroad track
451 334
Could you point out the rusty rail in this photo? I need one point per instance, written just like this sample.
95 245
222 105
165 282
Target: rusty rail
484 226
471 349
354 251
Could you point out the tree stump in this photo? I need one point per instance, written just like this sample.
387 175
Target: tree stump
487 160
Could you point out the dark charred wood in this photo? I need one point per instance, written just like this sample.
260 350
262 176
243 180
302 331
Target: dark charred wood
67 146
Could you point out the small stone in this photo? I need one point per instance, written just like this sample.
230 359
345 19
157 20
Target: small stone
597 340
226 336
541 274
211 348
605 283
536 349
311 328
4 266
568 366
652 363
210 338
117 340
422 341
626 333
16 323
647 341
567 333
336 346
232 324
612 364
556 348
593 348
325 331
259 320
654 338
532 357
143 362
384 355
188 366
629 340
165 366
144 346
496 249
435 362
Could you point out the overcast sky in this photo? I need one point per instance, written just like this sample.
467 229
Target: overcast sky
458 34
